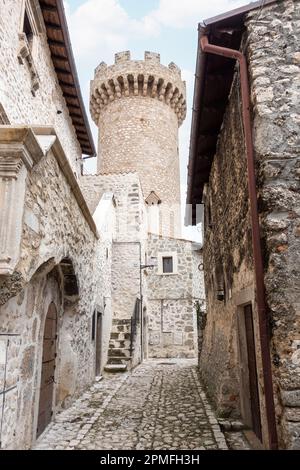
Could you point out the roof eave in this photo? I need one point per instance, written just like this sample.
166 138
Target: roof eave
71 62
207 27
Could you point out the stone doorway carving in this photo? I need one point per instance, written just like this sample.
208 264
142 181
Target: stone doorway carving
48 370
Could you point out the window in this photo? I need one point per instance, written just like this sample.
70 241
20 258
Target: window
167 264
27 30
30 28
94 326
3 116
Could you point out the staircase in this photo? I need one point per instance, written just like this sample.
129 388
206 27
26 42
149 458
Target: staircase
120 350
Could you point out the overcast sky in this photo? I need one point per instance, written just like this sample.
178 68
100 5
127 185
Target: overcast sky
100 28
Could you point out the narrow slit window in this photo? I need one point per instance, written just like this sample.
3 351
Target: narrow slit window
94 326
167 264
27 29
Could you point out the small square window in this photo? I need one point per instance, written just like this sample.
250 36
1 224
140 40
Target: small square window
167 264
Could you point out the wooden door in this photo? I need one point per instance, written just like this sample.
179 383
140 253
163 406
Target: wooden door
98 342
48 370
253 381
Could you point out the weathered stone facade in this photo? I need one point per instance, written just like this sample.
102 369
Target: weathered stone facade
224 268
75 248
50 248
271 42
274 65
138 106
47 247
172 299
128 255
46 107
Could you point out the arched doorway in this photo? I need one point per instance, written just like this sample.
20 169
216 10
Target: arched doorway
48 370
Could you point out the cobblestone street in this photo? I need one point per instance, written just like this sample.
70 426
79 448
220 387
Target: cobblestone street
160 405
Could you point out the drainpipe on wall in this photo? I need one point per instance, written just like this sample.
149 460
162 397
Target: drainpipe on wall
256 245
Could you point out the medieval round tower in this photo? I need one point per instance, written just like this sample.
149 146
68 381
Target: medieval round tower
138 107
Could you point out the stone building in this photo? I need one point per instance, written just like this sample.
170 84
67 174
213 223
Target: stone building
138 107
244 168
141 133
50 254
173 298
77 263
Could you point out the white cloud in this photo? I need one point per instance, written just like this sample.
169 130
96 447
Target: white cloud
103 27
180 14
99 28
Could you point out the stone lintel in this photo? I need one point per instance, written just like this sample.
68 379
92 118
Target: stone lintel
19 152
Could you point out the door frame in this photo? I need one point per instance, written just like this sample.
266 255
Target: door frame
253 374
40 368
245 298
36 401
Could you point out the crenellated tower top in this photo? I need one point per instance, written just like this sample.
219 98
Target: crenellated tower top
146 77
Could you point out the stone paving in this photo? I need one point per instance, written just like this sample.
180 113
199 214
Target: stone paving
160 405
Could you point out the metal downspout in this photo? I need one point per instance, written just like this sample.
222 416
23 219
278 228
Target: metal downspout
257 250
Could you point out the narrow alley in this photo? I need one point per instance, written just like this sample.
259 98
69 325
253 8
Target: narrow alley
160 405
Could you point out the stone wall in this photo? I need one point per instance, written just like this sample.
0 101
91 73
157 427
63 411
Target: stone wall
171 299
274 70
16 97
128 246
273 59
130 208
54 230
228 263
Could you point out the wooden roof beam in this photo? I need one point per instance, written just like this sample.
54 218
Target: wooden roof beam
62 71
59 57
54 26
56 42
63 83
47 7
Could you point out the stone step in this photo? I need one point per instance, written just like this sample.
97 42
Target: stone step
115 368
121 326
120 336
118 359
119 329
119 344
119 352
126 321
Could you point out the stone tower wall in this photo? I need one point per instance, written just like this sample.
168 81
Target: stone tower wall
138 107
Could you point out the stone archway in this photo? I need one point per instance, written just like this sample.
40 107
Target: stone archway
62 298
48 370
67 361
